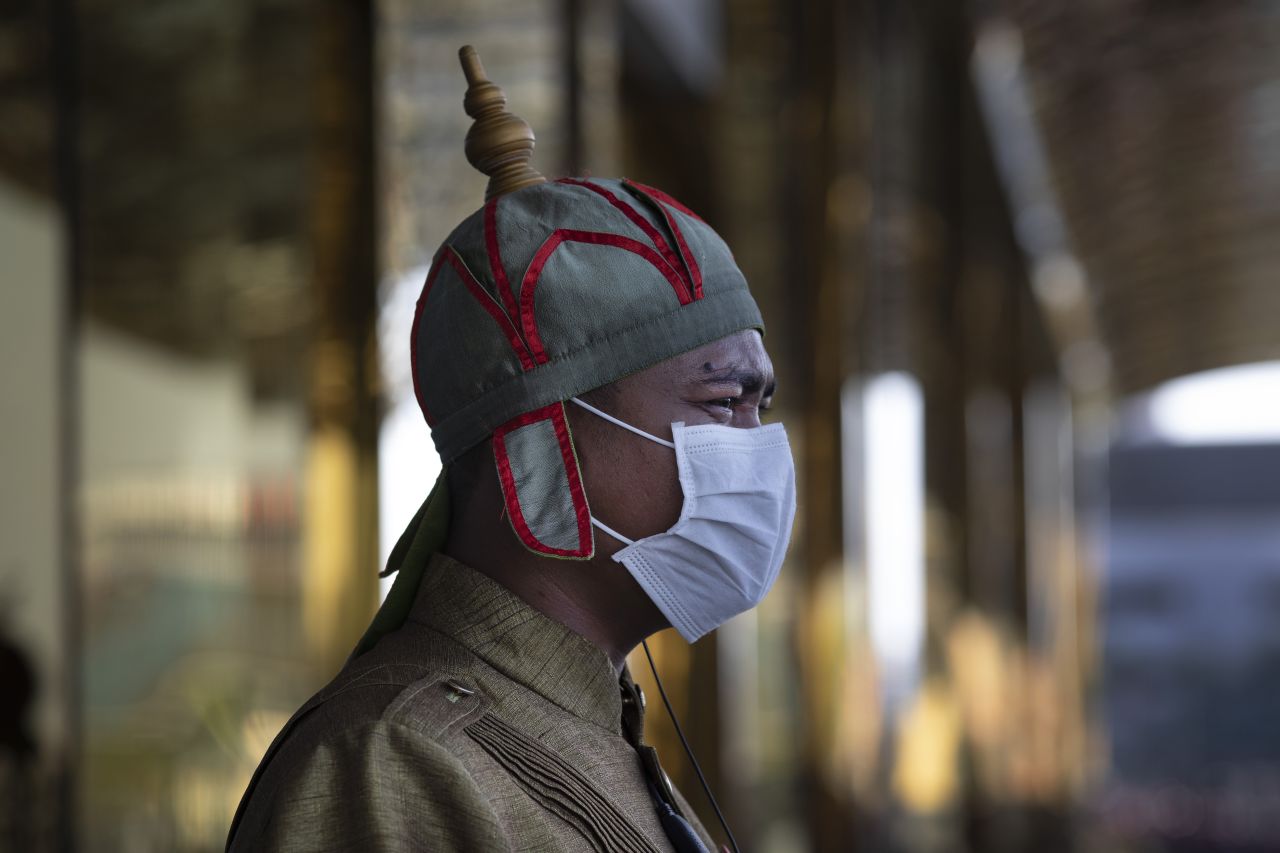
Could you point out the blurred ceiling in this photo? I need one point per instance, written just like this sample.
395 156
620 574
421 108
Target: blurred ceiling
1162 125
1161 121
195 123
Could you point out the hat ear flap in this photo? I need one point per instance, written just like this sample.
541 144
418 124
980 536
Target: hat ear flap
542 484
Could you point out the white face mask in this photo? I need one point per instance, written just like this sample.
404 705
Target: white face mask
724 553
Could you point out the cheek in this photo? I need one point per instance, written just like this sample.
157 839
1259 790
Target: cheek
660 500
632 486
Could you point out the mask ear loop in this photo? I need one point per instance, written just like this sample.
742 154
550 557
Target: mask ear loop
611 419
628 427
733 842
615 534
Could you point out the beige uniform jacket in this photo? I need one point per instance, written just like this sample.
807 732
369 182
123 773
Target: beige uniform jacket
479 725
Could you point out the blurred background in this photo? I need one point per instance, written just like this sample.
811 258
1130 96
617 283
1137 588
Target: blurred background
1019 264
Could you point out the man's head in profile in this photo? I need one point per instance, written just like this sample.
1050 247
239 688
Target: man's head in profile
591 364
562 329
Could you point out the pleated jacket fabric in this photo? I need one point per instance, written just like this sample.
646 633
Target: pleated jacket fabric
481 724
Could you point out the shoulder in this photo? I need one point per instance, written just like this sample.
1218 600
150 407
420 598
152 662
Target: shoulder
378 786
362 766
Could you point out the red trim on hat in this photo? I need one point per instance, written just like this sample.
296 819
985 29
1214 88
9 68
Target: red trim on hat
495 256
658 197
582 512
564 235
488 303
661 196
413 337
634 215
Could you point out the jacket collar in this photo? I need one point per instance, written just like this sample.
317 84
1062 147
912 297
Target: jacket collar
519 641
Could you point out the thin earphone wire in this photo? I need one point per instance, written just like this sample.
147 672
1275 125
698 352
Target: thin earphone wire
733 842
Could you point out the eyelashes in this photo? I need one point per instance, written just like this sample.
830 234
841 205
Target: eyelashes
728 404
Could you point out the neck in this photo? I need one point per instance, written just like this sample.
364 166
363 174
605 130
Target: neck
595 598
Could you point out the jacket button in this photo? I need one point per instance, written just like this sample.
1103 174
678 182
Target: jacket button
456 691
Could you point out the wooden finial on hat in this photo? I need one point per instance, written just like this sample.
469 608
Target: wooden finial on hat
499 144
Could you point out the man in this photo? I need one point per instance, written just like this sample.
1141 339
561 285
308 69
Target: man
574 339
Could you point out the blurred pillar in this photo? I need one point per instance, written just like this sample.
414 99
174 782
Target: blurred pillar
341 551
37 654
825 205
574 141
918 166
39 590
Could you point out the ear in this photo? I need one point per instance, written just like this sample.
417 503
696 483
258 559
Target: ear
542 484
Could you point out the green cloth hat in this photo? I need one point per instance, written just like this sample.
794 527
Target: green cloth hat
550 290
546 293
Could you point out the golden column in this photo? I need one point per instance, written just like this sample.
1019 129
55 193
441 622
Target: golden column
341 515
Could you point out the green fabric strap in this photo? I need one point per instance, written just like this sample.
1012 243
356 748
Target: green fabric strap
422 538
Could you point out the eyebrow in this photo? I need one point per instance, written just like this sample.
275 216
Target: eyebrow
749 380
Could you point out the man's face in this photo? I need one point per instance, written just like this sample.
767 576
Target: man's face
632 483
